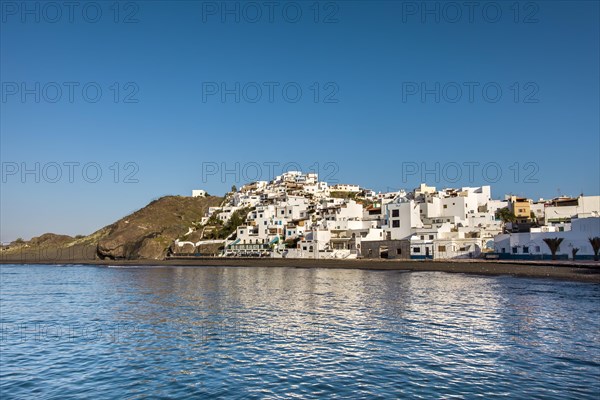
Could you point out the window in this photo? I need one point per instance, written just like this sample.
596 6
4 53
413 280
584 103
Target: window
265 222
422 237
370 252
396 223
514 249
395 213
398 250
416 249
241 232
290 211
431 237
441 248
525 249
445 206
282 212
504 250
537 249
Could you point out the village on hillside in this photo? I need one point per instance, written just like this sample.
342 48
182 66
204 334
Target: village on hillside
297 216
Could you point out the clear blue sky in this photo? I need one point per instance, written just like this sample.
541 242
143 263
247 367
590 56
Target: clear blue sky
371 61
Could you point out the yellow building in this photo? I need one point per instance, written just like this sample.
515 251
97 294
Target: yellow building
521 208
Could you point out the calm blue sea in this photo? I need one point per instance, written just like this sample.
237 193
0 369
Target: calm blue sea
158 332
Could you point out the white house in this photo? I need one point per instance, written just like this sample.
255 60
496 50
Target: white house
531 245
340 187
563 209
401 216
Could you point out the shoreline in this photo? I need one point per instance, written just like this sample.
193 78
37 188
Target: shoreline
560 270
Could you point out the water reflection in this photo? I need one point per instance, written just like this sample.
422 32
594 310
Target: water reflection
284 332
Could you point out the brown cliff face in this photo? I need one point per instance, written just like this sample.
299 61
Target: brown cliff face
144 234
148 232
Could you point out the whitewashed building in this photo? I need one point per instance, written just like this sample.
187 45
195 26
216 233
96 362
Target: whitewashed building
531 245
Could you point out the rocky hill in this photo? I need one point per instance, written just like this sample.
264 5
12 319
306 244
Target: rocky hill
144 234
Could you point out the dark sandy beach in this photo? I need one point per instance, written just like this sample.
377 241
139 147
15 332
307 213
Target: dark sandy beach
582 272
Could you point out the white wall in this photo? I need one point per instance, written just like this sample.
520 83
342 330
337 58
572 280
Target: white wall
408 218
581 230
588 206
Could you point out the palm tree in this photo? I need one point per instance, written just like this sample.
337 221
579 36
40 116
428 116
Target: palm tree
553 244
505 215
595 242
574 251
